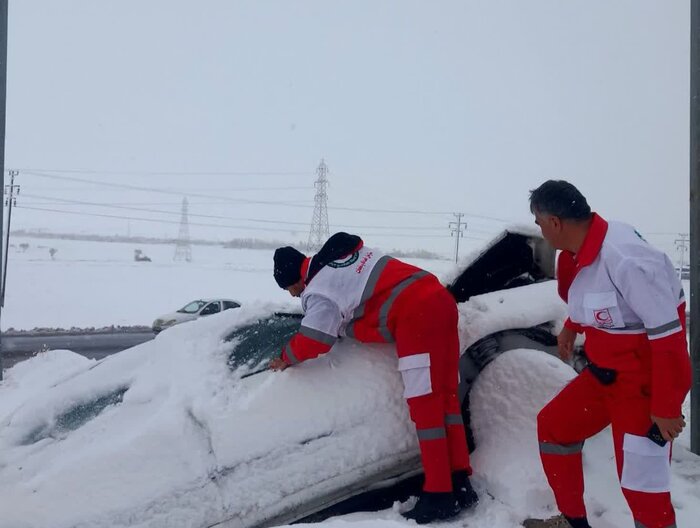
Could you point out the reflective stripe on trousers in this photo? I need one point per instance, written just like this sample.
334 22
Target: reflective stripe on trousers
560 449
637 524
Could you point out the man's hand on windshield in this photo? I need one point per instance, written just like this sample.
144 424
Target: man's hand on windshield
565 342
277 364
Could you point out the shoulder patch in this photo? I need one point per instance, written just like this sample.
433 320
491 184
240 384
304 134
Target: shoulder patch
349 261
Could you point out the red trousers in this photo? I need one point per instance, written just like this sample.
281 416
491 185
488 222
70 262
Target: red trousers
584 408
427 343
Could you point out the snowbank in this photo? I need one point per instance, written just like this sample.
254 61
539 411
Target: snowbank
508 475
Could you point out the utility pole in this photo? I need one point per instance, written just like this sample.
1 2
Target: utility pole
3 101
10 200
682 246
695 224
457 230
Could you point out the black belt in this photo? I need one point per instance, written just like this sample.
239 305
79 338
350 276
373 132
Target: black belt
603 375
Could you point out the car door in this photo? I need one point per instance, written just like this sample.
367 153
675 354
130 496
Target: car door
322 413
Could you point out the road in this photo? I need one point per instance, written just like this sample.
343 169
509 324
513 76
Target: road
91 345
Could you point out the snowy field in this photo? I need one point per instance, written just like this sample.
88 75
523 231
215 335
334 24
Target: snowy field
96 284
92 284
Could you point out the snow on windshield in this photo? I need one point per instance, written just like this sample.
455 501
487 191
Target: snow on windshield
192 307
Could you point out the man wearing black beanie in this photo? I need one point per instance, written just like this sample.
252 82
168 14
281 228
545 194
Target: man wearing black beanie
287 268
350 290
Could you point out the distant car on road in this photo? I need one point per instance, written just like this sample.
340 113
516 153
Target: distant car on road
193 310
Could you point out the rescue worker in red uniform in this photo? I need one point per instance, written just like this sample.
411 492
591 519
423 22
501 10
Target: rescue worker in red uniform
625 296
350 290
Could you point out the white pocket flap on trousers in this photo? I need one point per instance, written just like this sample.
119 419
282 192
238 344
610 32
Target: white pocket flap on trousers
646 466
415 371
414 361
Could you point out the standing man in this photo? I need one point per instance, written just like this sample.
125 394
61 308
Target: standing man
349 290
624 295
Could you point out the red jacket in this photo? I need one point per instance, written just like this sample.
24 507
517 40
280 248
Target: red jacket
351 291
627 299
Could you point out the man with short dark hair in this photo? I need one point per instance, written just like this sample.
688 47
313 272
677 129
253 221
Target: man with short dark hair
347 289
627 299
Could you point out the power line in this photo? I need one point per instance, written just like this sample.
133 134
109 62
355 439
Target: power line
50 200
66 201
183 189
169 173
253 228
264 202
151 220
164 191
423 236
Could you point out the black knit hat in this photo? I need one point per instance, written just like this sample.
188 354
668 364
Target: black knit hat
288 263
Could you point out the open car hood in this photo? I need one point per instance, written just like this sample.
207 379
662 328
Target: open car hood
516 257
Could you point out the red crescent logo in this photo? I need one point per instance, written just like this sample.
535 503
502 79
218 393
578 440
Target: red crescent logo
603 317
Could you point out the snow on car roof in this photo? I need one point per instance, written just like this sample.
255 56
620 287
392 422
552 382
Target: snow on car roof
522 307
210 299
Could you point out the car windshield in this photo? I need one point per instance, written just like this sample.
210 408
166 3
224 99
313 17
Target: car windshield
258 343
193 307
74 417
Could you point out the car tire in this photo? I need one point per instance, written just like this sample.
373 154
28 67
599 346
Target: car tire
481 353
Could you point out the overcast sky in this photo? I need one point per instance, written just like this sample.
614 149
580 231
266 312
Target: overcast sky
430 106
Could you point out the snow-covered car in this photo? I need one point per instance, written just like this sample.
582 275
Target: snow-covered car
198 433
193 310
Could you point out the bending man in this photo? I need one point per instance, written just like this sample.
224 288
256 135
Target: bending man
349 290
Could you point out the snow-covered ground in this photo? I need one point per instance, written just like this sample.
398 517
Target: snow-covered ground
174 452
95 284
179 449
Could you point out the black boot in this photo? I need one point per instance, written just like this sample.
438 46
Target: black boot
433 507
464 493
578 522
560 521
